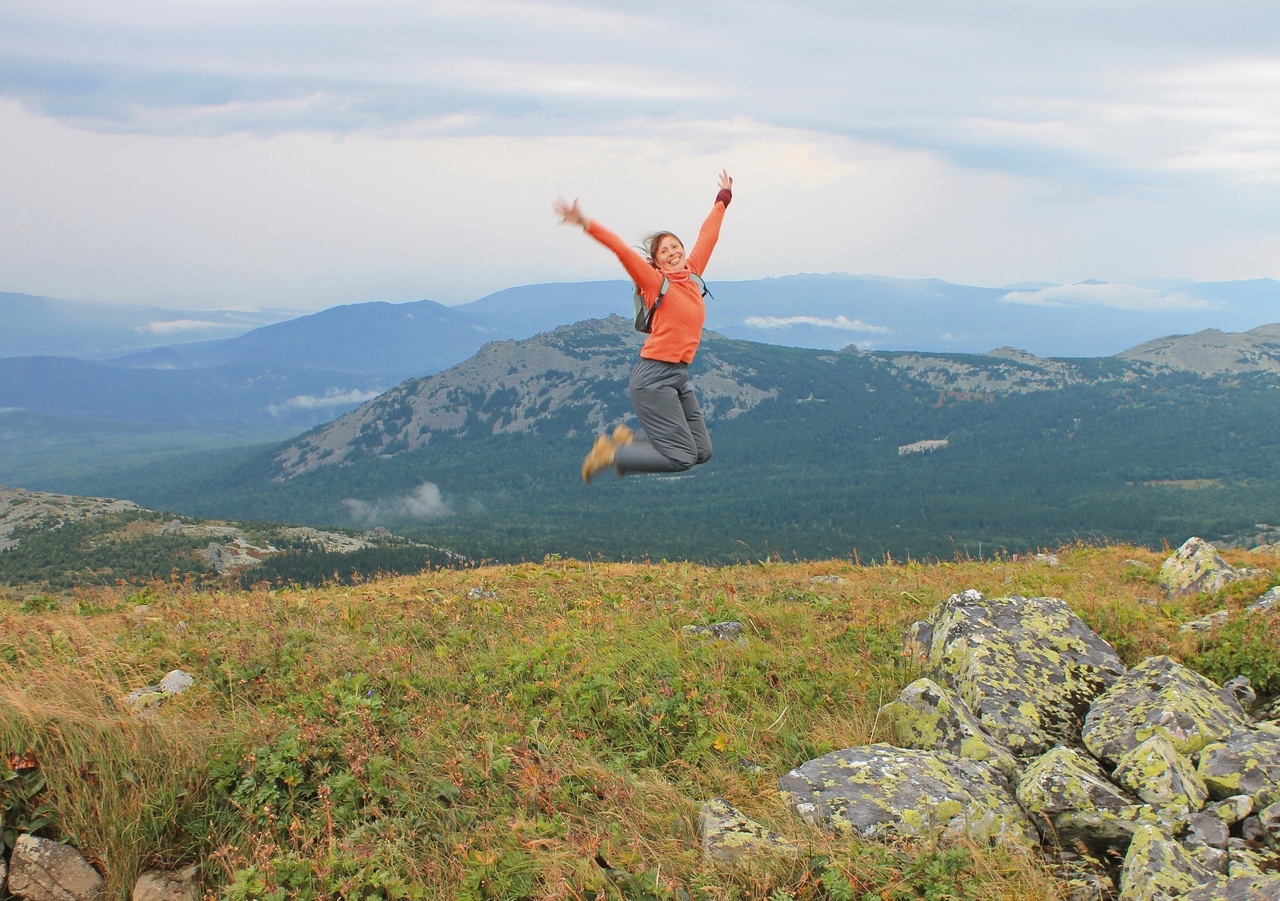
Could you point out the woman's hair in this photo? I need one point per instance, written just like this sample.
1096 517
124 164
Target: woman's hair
651 243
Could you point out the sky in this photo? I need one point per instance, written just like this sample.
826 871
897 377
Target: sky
225 154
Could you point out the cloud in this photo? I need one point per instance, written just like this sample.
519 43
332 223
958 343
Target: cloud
1111 296
425 503
184 325
333 397
840 322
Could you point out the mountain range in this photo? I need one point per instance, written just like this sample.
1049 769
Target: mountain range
818 453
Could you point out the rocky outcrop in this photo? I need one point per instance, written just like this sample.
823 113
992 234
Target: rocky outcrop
1028 728
729 835
1194 568
1027 668
42 870
881 792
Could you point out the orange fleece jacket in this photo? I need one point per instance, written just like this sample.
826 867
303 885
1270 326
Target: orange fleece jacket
677 326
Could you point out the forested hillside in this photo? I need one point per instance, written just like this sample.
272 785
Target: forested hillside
813 457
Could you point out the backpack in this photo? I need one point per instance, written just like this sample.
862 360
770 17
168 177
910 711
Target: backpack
644 312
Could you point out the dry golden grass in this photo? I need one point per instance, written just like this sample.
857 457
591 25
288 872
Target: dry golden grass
502 730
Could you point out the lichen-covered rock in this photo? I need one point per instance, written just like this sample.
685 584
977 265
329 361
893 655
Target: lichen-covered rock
1159 775
927 716
167 885
1207 829
1108 832
1062 779
176 682
1231 810
1215 620
1160 695
728 631
1268 601
1242 690
1157 868
1194 568
1245 762
882 792
41 870
1262 887
1269 818
729 835
1027 668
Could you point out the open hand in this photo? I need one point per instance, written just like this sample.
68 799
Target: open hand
569 213
726 183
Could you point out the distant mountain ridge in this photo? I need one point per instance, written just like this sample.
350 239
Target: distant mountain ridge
1213 351
575 378
46 326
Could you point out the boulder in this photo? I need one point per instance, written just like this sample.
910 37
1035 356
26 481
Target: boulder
42 870
1245 762
1157 868
1260 887
729 631
1194 568
1160 695
1267 602
728 835
167 885
1160 776
928 717
882 792
1027 668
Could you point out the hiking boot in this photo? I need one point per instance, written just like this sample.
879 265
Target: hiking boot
600 458
622 435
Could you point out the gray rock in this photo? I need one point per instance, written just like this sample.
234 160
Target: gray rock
1207 829
41 870
1251 830
728 835
728 631
1233 809
1157 868
1160 695
1269 601
176 682
928 717
881 792
1160 776
1027 668
1047 559
1239 888
1245 762
1215 620
830 580
1269 818
1194 568
1242 690
167 885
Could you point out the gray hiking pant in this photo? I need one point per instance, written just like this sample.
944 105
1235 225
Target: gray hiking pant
675 436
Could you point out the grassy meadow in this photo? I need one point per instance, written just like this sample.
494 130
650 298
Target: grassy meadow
528 731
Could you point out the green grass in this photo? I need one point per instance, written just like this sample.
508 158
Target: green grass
533 731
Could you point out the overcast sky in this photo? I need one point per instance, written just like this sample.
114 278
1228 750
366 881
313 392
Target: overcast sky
272 153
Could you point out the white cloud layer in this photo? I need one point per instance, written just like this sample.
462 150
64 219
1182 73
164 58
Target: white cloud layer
331 398
1111 296
840 322
179 326
424 503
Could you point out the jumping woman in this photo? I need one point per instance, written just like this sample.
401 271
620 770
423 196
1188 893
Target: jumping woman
675 436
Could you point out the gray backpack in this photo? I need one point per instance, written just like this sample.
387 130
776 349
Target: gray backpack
644 312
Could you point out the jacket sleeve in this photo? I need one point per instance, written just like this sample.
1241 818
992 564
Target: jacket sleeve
646 278
707 237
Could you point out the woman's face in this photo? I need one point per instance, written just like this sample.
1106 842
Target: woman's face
670 255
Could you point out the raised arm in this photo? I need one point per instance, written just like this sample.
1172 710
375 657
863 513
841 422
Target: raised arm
646 278
709 234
